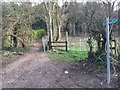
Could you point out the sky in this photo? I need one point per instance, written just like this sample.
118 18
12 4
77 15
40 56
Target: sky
44 0
60 1
38 1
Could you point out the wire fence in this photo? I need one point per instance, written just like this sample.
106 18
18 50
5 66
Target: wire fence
80 44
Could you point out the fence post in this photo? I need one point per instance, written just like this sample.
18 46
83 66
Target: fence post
80 45
43 42
66 36
49 44
66 46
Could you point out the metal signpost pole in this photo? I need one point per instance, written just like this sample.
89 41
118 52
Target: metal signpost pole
108 51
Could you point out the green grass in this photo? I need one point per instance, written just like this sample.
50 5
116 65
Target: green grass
77 49
77 45
67 57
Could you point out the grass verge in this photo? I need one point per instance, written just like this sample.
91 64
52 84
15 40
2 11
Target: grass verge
66 57
11 52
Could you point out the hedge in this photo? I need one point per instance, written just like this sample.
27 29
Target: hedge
38 33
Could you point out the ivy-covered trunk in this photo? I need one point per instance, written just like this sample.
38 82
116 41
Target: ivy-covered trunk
15 38
90 53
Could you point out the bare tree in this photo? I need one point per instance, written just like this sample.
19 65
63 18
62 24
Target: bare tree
55 19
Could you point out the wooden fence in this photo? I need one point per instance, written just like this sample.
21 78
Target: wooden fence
51 44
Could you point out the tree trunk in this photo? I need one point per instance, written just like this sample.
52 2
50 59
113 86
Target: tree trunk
98 42
59 30
22 42
73 29
90 53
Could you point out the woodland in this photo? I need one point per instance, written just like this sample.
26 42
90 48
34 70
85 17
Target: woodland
24 23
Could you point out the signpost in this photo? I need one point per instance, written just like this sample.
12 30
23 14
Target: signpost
111 21
108 51
107 23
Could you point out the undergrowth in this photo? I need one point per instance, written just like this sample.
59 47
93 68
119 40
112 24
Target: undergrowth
9 52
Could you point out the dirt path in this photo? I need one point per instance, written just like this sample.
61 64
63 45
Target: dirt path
36 70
